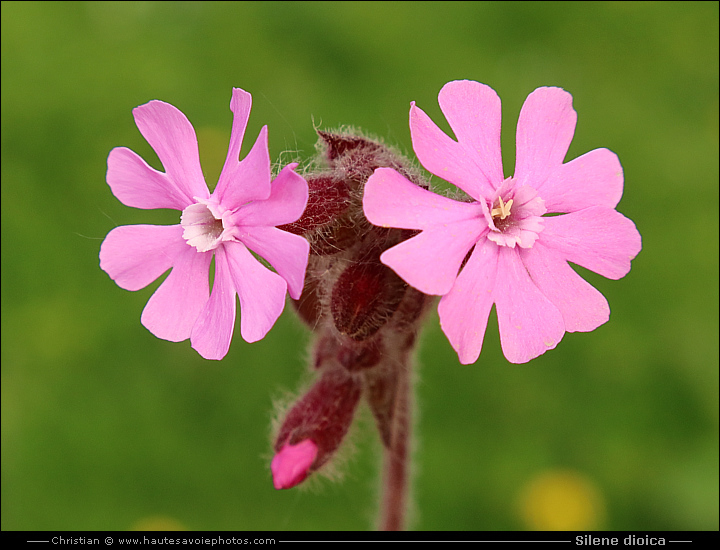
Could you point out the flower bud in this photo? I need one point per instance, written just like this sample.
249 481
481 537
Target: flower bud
291 465
364 297
308 306
365 318
328 198
322 416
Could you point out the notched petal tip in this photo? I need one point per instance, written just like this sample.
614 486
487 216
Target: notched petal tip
473 162
292 463
173 138
545 130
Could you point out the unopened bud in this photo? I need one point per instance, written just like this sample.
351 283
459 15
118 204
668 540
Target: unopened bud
365 318
364 298
291 465
322 416
328 199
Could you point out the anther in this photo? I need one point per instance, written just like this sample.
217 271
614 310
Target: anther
503 211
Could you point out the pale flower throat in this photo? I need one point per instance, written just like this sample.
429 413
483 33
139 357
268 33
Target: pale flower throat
204 226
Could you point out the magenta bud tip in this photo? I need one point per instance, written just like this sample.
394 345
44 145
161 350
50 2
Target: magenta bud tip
290 466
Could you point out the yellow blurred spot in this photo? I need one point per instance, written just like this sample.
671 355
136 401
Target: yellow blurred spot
158 523
562 500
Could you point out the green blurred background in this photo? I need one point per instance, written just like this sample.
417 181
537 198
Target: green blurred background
106 427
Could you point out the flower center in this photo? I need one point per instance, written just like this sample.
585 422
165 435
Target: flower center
503 210
518 221
203 225
501 214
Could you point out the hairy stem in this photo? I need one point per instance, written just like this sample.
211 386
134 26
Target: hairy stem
396 457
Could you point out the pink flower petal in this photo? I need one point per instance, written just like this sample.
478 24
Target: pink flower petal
597 238
135 255
474 112
431 260
524 233
136 184
171 135
247 180
527 203
594 179
544 132
286 252
243 181
452 161
213 329
285 204
291 464
464 311
391 200
172 311
240 105
529 323
261 292
583 308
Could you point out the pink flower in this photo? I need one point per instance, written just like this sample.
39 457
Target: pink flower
238 217
498 248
